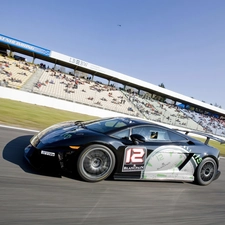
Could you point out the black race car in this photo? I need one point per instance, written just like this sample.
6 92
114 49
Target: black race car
126 149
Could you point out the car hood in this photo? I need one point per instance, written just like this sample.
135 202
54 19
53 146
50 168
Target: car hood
61 132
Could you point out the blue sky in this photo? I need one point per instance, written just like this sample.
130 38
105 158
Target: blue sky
180 43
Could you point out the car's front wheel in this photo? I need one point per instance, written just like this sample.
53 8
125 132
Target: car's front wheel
206 171
96 163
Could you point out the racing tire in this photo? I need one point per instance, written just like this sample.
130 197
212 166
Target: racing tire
206 171
95 163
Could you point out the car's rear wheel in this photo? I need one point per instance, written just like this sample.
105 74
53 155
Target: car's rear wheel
95 163
206 171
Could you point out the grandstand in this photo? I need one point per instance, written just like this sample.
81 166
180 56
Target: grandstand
14 73
71 88
134 97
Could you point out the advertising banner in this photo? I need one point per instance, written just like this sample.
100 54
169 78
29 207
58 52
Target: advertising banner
24 45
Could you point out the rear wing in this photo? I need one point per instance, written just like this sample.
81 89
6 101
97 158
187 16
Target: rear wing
206 135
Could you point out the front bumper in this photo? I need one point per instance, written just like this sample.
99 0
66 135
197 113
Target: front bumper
32 156
40 159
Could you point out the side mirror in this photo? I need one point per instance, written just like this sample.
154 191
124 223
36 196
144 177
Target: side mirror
137 138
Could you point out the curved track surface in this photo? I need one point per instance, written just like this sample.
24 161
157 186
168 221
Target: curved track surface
28 198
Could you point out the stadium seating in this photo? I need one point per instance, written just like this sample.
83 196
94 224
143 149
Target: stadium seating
14 73
76 89
209 123
162 112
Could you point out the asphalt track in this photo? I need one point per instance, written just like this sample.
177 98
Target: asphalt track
29 198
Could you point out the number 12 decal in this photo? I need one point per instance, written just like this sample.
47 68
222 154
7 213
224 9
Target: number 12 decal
135 155
134 159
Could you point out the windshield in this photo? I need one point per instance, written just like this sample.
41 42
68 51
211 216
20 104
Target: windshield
107 125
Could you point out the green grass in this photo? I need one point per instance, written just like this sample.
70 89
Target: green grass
36 117
31 116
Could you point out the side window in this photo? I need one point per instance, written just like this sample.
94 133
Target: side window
151 133
142 130
176 137
122 134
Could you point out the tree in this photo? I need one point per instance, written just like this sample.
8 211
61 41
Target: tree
216 105
162 85
160 98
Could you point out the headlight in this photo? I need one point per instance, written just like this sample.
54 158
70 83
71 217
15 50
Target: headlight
35 140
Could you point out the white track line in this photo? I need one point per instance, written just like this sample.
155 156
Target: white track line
18 128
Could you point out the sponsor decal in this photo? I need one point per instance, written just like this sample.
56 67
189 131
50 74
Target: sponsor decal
78 62
67 136
164 162
163 165
197 158
134 159
48 153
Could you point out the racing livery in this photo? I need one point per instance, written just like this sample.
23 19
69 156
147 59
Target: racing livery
126 149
